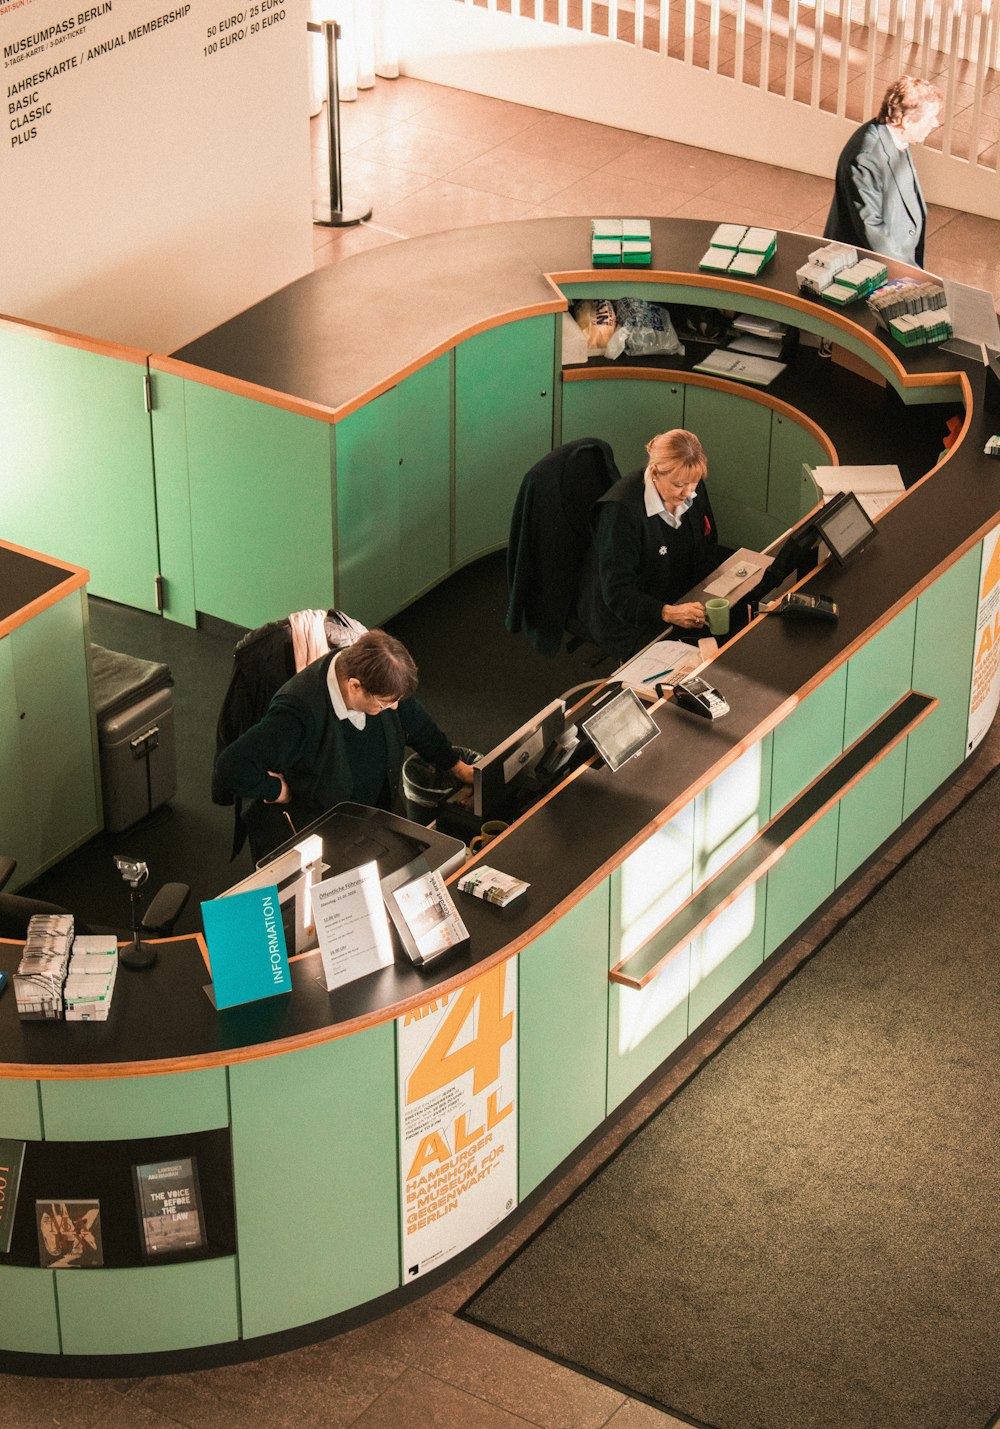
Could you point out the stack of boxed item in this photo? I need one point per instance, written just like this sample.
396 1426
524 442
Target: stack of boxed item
38 982
620 242
91 979
915 312
738 250
836 273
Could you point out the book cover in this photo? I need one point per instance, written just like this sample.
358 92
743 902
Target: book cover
246 946
11 1162
169 1202
69 1234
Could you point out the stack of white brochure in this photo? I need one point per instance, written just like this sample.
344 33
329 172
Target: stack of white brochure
876 487
663 663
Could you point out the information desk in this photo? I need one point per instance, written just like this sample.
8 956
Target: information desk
378 1135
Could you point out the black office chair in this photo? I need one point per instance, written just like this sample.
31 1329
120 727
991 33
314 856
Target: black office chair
16 912
550 535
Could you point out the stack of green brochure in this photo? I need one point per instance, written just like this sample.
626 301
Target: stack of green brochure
618 241
740 250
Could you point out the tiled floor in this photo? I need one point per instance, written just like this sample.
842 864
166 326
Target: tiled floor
429 158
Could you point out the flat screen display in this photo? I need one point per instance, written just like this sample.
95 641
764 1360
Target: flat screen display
845 526
621 729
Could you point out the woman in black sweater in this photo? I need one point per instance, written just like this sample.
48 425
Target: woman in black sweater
654 539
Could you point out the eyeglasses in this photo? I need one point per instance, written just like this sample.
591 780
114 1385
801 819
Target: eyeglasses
383 704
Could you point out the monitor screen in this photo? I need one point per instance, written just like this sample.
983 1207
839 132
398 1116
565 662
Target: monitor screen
620 729
844 525
502 779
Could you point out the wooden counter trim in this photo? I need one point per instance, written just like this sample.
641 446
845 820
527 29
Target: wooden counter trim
74 339
718 282
76 578
704 379
270 397
619 973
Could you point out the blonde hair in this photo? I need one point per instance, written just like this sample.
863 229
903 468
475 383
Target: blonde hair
908 95
679 452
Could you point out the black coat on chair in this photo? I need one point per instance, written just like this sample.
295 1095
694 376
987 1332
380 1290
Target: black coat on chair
550 535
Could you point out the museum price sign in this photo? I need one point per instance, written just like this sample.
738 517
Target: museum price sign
457 1060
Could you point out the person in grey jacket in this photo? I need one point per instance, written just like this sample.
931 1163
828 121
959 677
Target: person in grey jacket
877 202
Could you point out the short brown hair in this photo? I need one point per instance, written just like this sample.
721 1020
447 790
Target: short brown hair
907 95
678 451
383 666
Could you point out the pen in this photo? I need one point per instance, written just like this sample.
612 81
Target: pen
650 679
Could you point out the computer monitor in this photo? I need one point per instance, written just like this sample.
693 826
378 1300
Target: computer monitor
504 779
845 526
842 524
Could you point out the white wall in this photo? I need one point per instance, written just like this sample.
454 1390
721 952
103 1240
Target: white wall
149 191
613 83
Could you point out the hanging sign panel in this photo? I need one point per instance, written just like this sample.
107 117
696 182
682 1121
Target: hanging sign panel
154 162
457 1058
985 695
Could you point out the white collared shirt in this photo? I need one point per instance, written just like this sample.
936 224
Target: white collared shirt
357 717
655 506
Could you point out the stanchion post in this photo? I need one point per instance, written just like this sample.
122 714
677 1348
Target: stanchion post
339 213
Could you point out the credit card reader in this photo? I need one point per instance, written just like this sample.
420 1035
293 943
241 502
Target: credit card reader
700 698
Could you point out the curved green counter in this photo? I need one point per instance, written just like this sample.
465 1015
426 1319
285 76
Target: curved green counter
310 452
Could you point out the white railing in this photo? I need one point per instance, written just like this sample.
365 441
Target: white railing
834 57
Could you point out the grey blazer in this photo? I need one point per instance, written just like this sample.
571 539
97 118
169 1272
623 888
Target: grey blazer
869 209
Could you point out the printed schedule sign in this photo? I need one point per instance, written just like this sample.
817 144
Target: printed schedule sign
457 1059
154 163
985 695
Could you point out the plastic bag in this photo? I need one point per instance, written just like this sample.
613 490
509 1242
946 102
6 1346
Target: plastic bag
642 329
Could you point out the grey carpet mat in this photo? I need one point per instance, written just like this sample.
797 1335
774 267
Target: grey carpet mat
807 1235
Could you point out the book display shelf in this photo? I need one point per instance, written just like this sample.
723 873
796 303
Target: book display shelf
330 1130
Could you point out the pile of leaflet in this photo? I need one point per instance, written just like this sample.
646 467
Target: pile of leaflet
91 979
914 311
38 982
740 251
620 243
835 272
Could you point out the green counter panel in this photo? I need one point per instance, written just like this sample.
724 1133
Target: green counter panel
743 525
734 807
29 1320
368 510
132 1107
149 1309
261 507
871 812
943 652
623 412
317 1175
726 953
879 675
808 740
55 731
393 485
16 837
645 1026
562 1038
789 494
801 880
76 463
504 383
736 434
173 496
425 423
20 1111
